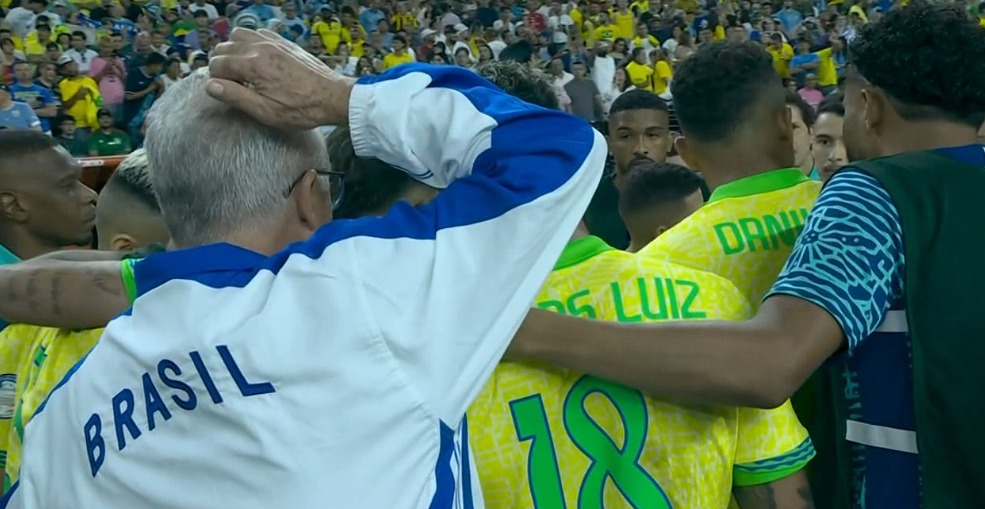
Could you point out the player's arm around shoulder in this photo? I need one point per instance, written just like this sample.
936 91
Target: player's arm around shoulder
56 292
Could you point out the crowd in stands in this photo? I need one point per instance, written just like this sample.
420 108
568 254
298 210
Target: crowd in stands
86 71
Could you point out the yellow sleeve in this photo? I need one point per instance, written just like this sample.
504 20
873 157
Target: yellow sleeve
663 70
33 45
772 445
16 342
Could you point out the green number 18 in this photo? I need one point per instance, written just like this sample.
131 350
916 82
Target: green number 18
608 461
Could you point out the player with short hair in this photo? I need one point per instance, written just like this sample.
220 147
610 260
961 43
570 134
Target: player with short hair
656 197
127 218
886 270
802 121
639 130
828 145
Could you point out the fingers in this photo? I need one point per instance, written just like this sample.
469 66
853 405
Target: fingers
239 97
245 35
232 67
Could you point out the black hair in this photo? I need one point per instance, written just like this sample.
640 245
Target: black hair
155 58
401 39
39 26
637 100
806 112
52 45
717 87
910 55
652 184
832 104
80 34
19 143
200 13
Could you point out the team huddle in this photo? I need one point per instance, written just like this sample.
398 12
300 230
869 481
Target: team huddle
273 356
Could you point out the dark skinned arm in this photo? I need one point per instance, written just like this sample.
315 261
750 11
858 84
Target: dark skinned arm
757 363
59 290
791 492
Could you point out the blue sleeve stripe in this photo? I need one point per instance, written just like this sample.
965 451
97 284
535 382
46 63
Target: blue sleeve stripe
849 259
533 153
798 456
9 495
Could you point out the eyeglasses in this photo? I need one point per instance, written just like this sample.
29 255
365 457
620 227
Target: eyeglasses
336 184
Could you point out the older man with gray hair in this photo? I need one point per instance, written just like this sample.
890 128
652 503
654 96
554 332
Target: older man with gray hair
334 373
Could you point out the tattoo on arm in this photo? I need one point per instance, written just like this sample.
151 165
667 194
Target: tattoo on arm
790 492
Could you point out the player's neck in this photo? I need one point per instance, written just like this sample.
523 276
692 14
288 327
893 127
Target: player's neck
581 231
930 135
719 172
24 245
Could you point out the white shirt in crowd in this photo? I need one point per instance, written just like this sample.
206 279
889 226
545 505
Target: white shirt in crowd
82 58
336 373
603 72
209 9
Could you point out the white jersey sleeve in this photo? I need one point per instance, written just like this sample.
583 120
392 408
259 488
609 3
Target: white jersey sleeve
449 282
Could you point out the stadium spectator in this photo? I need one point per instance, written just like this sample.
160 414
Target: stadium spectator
78 147
143 85
37 97
108 69
14 114
80 52
586 102
80 96
108 140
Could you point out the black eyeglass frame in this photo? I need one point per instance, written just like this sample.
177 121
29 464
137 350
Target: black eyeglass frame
337 183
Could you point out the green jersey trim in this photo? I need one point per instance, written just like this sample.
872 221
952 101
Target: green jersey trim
758 184
577 251
772 469
129 282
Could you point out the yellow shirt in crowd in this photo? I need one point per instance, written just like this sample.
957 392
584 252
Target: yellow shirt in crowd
640 75
331 33
547 437
606 32
84 110
625 23
827 72
393 60
662 74
781 59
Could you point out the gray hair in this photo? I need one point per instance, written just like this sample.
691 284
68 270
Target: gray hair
218 171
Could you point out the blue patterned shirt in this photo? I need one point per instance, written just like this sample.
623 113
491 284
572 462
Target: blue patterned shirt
850 261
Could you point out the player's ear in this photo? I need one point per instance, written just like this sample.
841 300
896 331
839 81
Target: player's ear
11 208
123 243
312 200
683 150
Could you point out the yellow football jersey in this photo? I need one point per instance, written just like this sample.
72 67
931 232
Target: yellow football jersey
745 232
54 352
547 437
15 344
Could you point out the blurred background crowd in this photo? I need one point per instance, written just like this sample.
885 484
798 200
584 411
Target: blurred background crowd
87 71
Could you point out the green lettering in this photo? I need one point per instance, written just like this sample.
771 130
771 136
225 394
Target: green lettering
753 231
730 238
609 461
645 300
794 221
530 422
552 305
583 310
621 315
675 311
778 232
692 294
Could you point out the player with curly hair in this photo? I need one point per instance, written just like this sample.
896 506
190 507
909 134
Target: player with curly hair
887 271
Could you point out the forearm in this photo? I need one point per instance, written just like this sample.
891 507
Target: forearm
791 492
708 362
64 292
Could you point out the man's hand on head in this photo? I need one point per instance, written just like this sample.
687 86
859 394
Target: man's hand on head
277 82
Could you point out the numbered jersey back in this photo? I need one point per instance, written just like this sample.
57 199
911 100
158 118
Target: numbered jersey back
744 234
544 437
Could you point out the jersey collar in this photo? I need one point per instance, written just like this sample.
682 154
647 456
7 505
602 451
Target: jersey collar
7 257
773 180
580 250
